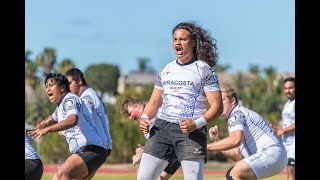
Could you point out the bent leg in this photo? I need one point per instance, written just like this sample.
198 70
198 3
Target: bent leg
242 170
73 168
291 172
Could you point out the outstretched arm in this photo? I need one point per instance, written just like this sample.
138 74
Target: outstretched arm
229 146
70 122
230 142
45 123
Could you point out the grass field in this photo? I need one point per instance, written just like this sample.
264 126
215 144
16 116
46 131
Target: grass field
210 165
47 176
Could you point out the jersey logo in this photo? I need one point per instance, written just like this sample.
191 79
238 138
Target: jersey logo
197 151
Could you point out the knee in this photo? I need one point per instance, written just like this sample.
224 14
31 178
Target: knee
228 174
61 174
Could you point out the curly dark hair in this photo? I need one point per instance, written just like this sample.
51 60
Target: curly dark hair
206 48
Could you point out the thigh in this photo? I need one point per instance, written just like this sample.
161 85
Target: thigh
190 146
159 143
193 169
74 167
150 167
242 170
267 161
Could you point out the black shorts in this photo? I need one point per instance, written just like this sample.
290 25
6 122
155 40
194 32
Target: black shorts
33 169
93 156
173 166
291 162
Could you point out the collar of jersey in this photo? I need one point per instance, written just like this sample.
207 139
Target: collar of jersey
191 61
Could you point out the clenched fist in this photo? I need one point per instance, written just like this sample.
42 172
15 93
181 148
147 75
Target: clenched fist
214 133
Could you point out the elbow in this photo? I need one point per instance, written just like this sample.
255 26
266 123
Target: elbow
72 123
237 142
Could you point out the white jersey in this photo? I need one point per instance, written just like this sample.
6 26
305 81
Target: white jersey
85 132
99 115
288 118
183 88
257 133
29 152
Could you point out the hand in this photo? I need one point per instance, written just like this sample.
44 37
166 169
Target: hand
139 150
214 133
276 129
187 125
135 159
144 125
37 133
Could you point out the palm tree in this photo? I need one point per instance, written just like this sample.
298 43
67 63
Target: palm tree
47 59
65 65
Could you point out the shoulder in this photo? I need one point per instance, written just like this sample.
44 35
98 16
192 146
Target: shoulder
170 64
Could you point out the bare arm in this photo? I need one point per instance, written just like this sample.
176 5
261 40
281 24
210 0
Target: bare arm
230 142
154 103
290 128
70 122
47 122
216 107
233 154
214 111
151 109
280 131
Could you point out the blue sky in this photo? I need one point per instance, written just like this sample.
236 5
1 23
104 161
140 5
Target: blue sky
118 32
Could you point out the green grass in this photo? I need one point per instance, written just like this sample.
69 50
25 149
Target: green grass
47 176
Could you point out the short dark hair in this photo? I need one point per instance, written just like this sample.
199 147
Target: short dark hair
76 75
61 80
289 79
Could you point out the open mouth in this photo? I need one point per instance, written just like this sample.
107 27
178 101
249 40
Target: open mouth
179 50
50 96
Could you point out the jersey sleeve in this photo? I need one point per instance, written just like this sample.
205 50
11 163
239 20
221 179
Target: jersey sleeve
55 115
72 105
158 83
236 121
210 79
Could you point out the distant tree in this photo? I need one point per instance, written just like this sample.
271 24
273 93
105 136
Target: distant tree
65 65
47 59
103 78
31 68
254 69
143 64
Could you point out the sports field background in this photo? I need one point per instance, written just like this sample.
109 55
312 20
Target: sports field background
213 170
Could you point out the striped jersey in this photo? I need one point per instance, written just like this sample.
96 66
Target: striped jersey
183 88
288 118
257 133
85 132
